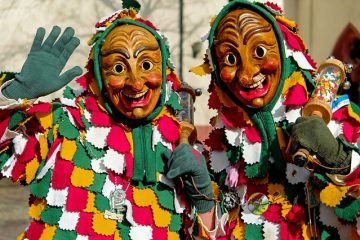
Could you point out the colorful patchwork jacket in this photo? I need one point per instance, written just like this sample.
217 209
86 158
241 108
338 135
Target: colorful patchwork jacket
75 152
269 196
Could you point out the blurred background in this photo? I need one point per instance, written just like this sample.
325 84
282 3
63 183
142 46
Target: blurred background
329 27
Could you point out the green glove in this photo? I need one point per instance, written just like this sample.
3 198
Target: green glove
187 163
40 74
312 134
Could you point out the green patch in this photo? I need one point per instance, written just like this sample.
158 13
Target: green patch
253 231
64 234
175 224
348 209
93 151
81 158
173 102
99 180
124 227
233 154
68 93
68 130
40 187
51 215
101 202
16 119
165 196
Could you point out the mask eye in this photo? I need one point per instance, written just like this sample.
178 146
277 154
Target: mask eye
260 51
147 65
230 59
118 68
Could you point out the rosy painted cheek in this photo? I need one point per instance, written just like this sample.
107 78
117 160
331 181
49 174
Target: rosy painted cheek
154 79
116 81
270 65
227 74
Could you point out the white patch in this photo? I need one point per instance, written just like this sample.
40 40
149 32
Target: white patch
50 163
57 198
271 231
234 136
219 123
20 142
179 207
98 166
108 187
68 102
8 167
355 161
278 111
211 62
69 220
199 147
8 134
157 137
296 174
218 161
97 136
250 218
293 114
141 232
81 237
252 151
167 181
328 217
335 128
71 118
168 90
302 61
87 115
114 161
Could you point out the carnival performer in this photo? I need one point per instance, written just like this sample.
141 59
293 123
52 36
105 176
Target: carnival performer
101 160
261 79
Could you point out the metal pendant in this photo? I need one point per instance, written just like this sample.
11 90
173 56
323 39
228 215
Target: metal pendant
117 205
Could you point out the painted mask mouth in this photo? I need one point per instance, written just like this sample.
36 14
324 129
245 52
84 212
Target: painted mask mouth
133 100
259 88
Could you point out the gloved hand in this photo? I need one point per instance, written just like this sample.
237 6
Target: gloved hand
311 133
40 74
187 163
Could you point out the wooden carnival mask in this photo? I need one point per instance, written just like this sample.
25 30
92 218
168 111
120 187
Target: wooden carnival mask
248 56
131 70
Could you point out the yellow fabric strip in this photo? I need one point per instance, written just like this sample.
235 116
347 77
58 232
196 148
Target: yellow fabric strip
82 177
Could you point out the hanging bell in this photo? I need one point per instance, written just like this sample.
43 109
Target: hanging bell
346 85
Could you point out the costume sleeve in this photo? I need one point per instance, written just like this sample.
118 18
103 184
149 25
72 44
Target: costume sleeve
29 141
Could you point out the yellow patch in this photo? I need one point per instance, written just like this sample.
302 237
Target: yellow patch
44 146
306 232
81 177
353 114
36 209
21 236
162 217
332 195
68 149
287 22
295 78
90 206
117 235
103 226
173 236
130 140
48 233
239 230
45 119
201 70
276 194
202 233
30 170
144 197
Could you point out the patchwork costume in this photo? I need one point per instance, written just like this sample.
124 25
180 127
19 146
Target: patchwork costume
264 193
92 172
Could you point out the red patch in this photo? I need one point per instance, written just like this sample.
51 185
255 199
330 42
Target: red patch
273 213
18 171
62 173
252 134
117 140
290 231
214 101
160 233
296 96
147 22
84 225
35 230
232 118
40 108
215 140
77 199
75 113
129 165
31 148
174 79
274 6
91 103
4 121
292 39
84 80
100 119
296 214
169 129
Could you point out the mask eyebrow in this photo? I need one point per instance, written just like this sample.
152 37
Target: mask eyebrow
122 51
144 48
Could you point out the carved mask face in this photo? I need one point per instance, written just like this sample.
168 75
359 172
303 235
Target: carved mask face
131 69
248 56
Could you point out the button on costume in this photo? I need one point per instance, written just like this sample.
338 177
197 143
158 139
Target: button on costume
97 159
261 79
